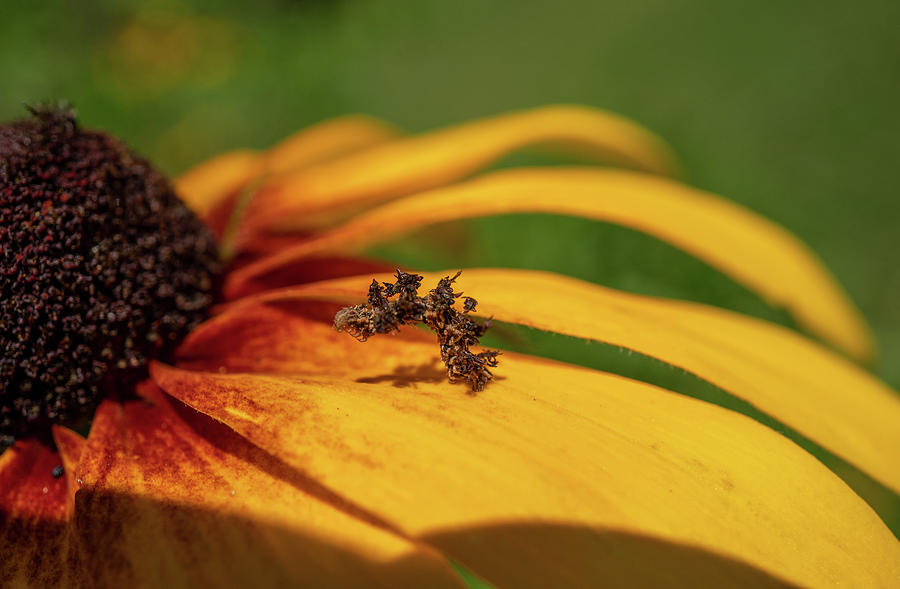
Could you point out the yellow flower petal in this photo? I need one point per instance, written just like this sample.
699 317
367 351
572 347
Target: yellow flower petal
816 392
436 158
581 458
327 140
207 184
172 497
753 251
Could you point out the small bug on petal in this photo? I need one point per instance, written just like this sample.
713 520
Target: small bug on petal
455 331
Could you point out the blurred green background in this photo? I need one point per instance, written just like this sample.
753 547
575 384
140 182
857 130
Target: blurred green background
790 108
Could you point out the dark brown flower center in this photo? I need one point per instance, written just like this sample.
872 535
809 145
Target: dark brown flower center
102 269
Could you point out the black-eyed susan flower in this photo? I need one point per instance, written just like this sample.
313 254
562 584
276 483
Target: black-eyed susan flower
268 450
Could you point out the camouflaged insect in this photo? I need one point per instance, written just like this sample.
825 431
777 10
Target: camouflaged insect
455 330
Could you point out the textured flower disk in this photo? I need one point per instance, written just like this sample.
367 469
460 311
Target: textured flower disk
102 269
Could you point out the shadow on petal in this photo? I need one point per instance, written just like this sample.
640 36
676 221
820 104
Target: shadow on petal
128 539
119 539
37 553
408 375
517 555
412 375
122 539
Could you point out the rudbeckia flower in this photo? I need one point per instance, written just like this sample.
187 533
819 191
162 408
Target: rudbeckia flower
259 447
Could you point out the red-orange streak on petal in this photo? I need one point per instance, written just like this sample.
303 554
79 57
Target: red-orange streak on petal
267 245
35 507
28 488
548 444
314 269
171 497
753 251
440 157
293 337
